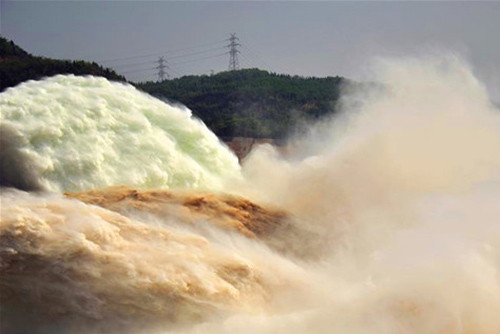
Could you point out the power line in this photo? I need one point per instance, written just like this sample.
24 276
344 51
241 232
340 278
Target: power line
254 60
169 66
121 67
163 67
256 57
248 62
133 64
162 52
175 71
197 53
203 58
188 55
139 70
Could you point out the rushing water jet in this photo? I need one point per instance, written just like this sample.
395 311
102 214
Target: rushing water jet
87 132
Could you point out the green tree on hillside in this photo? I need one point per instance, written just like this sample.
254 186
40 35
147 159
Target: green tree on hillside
252 102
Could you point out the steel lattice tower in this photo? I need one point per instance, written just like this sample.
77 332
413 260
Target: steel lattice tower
161 69
233 52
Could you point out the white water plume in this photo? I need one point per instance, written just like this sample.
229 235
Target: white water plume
87 132
393 219
403 192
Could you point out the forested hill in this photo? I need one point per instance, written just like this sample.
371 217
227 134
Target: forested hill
17 65
245 103
251 102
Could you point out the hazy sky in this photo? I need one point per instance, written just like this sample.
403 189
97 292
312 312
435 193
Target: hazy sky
305 38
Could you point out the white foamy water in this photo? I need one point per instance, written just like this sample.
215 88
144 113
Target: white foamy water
393 227
88 132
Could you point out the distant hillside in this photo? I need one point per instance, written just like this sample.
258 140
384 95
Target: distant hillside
17 65
247 103
251 102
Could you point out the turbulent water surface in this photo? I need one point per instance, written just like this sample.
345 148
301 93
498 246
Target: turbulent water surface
86 132
384 219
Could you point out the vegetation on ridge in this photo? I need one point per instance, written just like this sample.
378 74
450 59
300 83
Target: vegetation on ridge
17 65
251 102
245 103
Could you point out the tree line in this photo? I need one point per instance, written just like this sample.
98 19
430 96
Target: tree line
251 102
17 65
245 103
